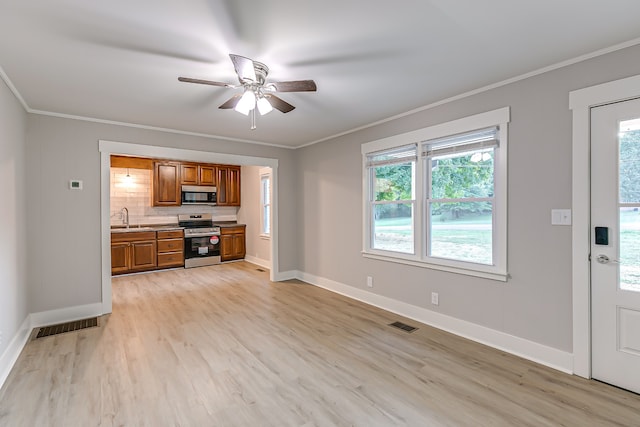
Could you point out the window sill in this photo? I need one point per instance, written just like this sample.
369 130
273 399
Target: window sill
265 236
399 259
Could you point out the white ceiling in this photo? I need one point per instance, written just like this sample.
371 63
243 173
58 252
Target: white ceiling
119 60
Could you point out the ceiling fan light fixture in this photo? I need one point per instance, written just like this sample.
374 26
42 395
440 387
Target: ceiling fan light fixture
264 106
246 103
252 76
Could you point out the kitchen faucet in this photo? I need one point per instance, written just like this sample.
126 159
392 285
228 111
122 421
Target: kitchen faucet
125 219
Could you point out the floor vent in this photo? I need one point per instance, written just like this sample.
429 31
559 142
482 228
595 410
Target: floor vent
260 270
67 327
403 326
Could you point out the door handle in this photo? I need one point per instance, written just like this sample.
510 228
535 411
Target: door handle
603 259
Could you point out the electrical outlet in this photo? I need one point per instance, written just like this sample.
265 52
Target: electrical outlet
369 282
435 300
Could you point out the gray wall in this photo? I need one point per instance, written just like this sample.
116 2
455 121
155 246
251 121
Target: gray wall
13 249
320 208
535 303
249 213
65 225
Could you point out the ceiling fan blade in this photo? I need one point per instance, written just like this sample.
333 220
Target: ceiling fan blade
279 104
244 68
231 102
295 86
204 82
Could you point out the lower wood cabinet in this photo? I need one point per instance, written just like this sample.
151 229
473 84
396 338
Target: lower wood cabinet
232 243
133 251
170 248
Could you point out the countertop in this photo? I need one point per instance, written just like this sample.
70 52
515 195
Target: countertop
142 227
223 224
166 227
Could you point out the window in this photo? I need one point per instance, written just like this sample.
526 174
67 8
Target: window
265 205
392 199
460 196
446 211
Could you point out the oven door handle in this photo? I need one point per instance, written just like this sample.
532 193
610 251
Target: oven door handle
201 235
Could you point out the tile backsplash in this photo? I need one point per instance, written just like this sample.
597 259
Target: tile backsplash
131 188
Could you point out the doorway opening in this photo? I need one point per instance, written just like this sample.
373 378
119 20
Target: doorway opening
107 148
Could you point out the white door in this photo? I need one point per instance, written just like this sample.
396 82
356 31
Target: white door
615 244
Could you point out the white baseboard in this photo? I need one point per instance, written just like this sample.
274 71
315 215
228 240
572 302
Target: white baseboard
63 315
264 263
539 353
10 355
286 275
35 320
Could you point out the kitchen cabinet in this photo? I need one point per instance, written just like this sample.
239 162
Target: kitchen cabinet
228 185
232 242
170 248
120 262
131 162
166 184
198 174
133 251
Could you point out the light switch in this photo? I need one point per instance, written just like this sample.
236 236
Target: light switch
560 216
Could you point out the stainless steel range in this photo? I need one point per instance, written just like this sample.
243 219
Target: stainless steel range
201 240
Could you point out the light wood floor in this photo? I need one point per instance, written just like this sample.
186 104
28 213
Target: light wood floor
223 346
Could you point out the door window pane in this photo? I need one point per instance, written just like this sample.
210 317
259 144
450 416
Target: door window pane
462 231
630 161
630 249
629 190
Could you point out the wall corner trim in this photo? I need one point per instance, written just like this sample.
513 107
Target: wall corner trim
286 275
10 356
62 315
535 352
258 261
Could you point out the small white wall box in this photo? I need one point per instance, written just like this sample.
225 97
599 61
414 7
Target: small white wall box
560 216
75 184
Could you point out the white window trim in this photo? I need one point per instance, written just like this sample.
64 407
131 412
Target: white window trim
499 117
265 173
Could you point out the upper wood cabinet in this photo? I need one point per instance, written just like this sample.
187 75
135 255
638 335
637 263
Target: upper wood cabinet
166 184
169 177
197 174
228 185
131 162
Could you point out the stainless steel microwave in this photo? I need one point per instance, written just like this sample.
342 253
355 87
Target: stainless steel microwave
199 195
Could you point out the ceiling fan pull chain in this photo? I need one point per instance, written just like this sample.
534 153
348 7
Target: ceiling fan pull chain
253 119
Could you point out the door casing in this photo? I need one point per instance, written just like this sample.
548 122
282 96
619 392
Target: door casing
581 102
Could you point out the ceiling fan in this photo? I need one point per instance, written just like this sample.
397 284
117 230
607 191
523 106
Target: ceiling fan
257 93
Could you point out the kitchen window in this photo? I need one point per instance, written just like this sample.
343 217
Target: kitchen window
446 210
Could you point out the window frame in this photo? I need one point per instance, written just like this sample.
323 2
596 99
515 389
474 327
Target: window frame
265 174
413 159
498 271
